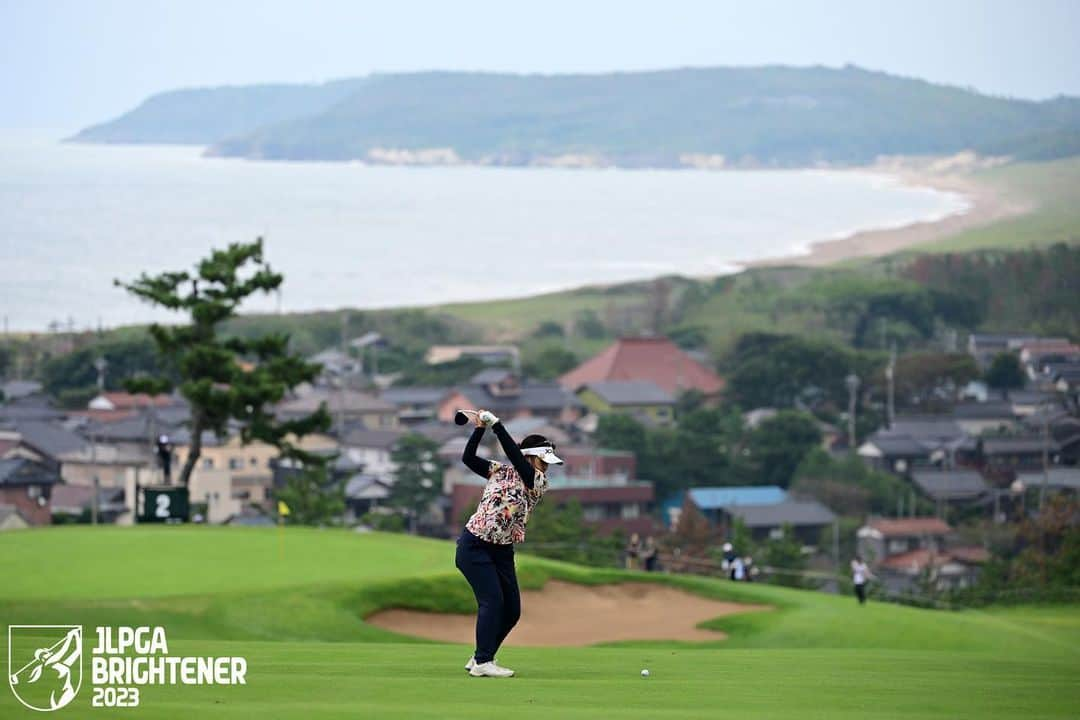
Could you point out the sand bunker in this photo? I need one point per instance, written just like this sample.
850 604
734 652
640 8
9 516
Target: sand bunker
564 614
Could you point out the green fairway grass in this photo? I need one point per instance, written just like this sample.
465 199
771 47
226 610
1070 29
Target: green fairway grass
298 619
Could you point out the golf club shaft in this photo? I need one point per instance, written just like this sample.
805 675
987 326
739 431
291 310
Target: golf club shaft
35 661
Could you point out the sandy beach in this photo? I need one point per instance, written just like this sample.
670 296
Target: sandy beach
957 174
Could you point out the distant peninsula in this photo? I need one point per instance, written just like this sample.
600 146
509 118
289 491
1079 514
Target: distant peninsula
694 117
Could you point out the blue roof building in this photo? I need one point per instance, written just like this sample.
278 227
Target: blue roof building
712 500
715 498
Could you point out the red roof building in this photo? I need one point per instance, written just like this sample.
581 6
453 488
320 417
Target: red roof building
910 527
654 359
908 551
111 406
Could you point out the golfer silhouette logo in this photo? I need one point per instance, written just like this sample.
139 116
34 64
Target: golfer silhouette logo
45 664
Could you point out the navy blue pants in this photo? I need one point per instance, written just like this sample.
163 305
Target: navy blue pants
489 568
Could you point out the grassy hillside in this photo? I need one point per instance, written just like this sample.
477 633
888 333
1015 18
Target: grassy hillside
1054 187
763 116
299 622
206 115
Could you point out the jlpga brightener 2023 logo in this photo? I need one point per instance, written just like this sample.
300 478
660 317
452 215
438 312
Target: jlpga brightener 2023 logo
45 665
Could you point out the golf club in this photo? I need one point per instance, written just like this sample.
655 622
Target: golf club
461 417
15 675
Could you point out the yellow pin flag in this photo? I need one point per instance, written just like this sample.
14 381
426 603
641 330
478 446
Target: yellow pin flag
282 511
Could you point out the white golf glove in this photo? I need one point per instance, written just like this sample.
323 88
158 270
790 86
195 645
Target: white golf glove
488 418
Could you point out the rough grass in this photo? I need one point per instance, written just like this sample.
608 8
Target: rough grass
299 622
1054 188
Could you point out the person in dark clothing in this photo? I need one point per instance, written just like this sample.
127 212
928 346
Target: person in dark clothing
633 551
485 549
648 554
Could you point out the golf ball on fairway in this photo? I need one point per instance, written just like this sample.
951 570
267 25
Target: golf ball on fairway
644 673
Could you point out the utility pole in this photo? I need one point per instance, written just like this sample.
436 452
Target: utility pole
852 383
890 376
345 358
1045 455
836 547
101 364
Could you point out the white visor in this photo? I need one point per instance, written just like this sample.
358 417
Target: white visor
545 453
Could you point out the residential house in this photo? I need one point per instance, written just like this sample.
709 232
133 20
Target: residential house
38 440
913 441
1036 354
651 359
957 486
415 405
1063 429
712 501
32 407
74 503
503 393
112 406
806 518
230 476
371 450
443 432
488 354
80 461
134 435
975 418
1011 454
12 519
640 399
1058 479
587 462
365 493
985 347
346 407
27 485
1030 402
337 367
764 510
19 389
906 553
524 425
1065 379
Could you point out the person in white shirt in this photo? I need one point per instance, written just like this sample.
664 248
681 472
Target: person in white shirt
738 569
860 573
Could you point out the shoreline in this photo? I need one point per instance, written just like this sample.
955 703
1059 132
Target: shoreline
986 204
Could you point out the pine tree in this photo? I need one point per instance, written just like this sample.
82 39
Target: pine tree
226 379
418 478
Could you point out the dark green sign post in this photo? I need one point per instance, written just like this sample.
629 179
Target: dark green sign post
163 504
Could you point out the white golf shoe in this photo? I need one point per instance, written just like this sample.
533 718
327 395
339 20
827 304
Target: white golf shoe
490 669
471 664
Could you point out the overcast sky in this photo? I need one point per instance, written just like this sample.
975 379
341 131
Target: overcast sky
68 63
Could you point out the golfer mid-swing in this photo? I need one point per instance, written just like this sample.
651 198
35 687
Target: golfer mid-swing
485 550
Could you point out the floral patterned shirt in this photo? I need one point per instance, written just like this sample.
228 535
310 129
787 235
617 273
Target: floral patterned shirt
505 506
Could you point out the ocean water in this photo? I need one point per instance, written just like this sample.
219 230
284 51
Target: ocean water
74 217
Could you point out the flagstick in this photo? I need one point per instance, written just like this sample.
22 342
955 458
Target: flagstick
281 537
